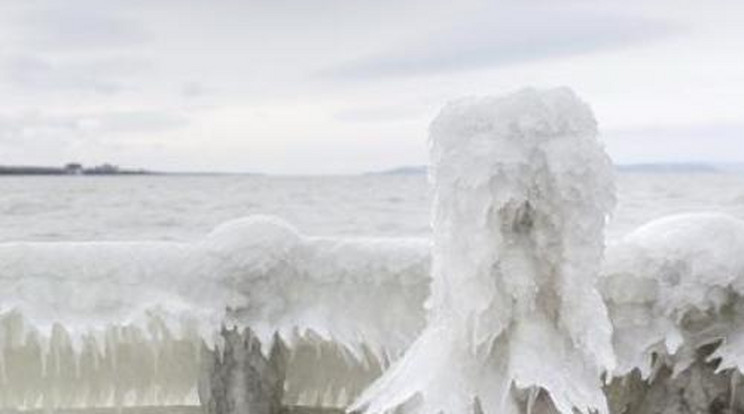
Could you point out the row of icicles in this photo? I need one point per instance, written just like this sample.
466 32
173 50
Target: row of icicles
120 366
134 365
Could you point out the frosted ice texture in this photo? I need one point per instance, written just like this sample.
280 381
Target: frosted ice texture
673 286
522 191
123 323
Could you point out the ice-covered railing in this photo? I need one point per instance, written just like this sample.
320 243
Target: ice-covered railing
123 323
675 285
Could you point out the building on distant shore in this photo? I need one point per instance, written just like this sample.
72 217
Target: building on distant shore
74 168
103 169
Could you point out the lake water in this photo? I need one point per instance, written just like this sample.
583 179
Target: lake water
187 207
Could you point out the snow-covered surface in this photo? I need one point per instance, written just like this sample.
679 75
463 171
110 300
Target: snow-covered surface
89 302
674 285
522 191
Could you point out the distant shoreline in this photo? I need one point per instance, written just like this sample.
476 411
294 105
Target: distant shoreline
413 170
104 170
655 168
70 170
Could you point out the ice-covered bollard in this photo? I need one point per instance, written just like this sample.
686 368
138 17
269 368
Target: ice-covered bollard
522 191
240 379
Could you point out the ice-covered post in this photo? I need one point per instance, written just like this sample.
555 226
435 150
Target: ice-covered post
522 190
240 379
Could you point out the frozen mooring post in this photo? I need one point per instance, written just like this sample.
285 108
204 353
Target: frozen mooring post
522 191
240 376
526 315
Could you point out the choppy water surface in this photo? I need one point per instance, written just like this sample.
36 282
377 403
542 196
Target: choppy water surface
187 207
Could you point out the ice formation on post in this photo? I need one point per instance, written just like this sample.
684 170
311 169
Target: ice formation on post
117 323
522 191
674 286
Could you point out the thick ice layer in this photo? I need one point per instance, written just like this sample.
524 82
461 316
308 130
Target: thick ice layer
522 190
674 285
116 323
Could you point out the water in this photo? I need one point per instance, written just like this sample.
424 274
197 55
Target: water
187 207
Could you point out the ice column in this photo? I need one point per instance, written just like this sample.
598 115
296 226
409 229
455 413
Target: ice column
522 191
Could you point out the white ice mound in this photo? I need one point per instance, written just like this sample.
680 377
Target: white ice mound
673 286
522 190
123 322
362 293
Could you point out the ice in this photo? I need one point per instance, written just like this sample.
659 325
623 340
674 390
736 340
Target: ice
357 292
123 323
673 286
522 191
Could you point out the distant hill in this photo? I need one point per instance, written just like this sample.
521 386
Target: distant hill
731 167
669 168
655 167
406 170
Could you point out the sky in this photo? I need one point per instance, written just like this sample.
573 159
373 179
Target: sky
348 86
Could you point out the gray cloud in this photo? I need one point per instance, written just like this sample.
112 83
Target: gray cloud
17 129
101 75
194 89
522 35
70 28
379 114
34 125
138 121
719 142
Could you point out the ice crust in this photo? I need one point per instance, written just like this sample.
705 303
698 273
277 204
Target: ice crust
673 286
123 323
522 191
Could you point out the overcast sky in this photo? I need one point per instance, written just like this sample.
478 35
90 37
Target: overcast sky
344 86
